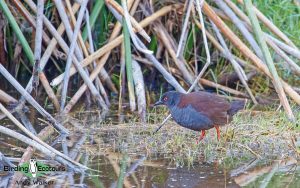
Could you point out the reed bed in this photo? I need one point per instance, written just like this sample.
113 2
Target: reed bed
58 56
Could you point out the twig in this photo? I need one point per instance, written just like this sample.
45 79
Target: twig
64 145
70 55
268 59
90 38
72 154
49 90
199 4
50 48
103 73
103 60
133 36
218 45
291 64
184 28
40 147
239 24
245 50
271 26
26 121
37 141
115 42
6 98
244 167
294 52
169 44
64 18
32 22
139 90
86 159
31 100
272 41
240 72
76 149
41 75
135 24
4 159
38 43
65 47
224 88
73 20
195 47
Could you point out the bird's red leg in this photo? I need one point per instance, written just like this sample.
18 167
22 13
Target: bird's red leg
218 132
201 136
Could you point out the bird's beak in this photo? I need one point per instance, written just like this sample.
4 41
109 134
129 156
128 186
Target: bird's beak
158 103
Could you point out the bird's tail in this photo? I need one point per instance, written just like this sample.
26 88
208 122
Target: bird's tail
235 106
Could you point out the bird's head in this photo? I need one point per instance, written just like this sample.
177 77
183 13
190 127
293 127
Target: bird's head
170 99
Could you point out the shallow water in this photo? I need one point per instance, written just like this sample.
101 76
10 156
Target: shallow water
138 171
117 150
143 172
147 173
159 173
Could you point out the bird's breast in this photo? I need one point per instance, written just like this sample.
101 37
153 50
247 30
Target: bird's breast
189 118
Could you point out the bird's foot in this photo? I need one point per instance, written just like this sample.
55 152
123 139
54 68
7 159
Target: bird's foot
201 136
218 132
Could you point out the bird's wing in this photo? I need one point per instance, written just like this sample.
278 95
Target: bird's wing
208 104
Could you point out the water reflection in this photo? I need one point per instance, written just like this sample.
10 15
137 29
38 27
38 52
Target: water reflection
117 170
277 173
156 173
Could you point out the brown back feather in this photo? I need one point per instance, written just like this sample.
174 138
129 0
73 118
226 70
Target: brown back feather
208 104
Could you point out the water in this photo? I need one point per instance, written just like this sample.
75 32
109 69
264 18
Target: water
142 172
130 156
160 173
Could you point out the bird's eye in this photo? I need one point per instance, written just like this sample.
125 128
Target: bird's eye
166 98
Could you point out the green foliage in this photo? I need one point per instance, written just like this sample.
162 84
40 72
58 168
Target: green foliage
284 14
188 50
18 32
128 61
93 17
153 44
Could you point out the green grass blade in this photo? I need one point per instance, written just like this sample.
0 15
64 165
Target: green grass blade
18 31
128 62
122 171
153 44
9 43
94 15
268 58
188 50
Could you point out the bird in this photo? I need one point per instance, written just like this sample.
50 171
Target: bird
200 110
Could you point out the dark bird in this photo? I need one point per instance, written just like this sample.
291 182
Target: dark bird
200 111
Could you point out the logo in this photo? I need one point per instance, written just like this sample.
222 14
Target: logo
34 168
